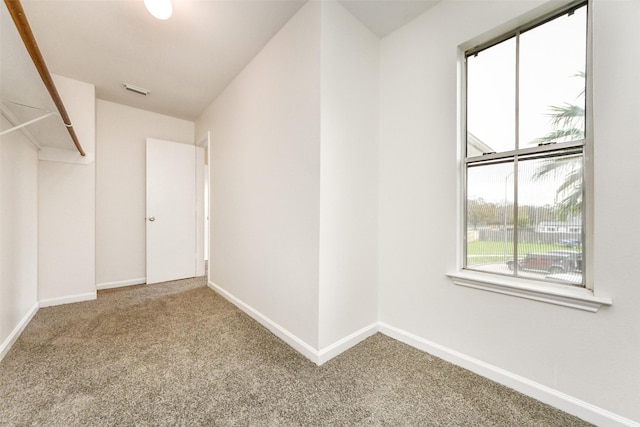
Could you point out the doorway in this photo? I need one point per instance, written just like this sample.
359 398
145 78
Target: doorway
175 204
204 143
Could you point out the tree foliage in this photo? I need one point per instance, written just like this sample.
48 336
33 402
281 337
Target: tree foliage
481 214
568 124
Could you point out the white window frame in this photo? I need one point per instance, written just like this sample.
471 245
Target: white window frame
583 298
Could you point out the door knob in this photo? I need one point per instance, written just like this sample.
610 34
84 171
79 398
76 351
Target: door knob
153 218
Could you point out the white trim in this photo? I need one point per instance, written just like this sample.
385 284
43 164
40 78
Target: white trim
62 155
346 343
68 299
12 119
567 296
22 125
205 141
316 356
293 341
13 336
555 398
121 283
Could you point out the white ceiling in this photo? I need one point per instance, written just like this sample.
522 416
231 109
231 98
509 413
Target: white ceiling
383 17
186 61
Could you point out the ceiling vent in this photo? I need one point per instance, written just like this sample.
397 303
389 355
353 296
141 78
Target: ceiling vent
136 89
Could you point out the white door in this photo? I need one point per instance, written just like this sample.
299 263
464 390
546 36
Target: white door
171 211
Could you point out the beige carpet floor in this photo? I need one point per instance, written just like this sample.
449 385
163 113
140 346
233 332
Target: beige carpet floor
179 354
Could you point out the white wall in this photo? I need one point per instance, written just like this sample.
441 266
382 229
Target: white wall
591 357
613 341
348 285
294 182
66 208
18 234
265 180
120 187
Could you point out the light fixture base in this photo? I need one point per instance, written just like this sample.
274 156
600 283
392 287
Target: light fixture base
161 9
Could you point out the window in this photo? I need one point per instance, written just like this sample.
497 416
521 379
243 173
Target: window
525 151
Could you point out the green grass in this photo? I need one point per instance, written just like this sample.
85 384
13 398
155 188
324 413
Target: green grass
477 260
485 252
481 247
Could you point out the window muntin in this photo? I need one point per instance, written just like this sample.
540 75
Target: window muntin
491 77
524 159
556 84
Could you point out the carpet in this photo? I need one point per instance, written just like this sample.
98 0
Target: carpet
178 354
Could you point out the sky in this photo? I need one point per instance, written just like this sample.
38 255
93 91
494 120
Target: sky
550 57
495 184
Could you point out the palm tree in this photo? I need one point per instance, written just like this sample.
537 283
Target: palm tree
568 121
569 192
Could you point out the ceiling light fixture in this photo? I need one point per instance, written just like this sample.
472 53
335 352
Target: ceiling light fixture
136 89
161 9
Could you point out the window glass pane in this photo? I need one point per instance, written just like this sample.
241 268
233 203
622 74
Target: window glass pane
552 80
491 99
544 204
550 219
490 217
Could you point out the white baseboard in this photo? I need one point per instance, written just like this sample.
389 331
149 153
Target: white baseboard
13 336
121 283
331 351
555 398
316 356
69 299
299 345
567 403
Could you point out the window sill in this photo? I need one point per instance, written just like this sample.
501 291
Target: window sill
567 296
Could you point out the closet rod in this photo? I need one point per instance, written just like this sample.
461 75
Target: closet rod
22 25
